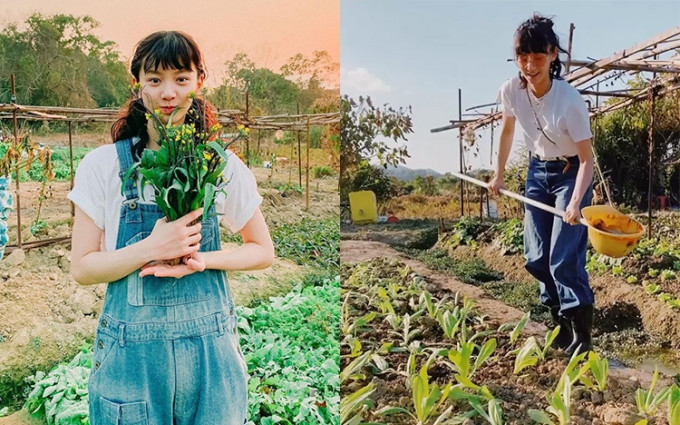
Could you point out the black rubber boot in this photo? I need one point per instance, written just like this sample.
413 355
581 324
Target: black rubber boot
563 339
582 322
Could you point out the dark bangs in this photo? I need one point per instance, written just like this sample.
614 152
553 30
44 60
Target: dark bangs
532 39
166 49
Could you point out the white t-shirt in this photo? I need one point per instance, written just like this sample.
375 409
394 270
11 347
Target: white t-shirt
562 114
97 191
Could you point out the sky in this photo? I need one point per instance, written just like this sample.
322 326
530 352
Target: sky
420 52
269 31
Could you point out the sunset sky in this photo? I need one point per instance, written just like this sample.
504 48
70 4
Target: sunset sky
269 31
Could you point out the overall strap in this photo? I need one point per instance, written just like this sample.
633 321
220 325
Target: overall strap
130 189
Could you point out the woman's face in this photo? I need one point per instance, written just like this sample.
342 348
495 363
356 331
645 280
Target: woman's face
166 89
535 67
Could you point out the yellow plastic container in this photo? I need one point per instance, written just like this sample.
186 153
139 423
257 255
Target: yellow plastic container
610 232
363 207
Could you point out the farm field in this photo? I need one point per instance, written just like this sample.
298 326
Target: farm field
477 268
47 319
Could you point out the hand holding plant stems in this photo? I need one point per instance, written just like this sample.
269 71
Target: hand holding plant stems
186 171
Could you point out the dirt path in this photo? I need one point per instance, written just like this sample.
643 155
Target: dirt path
495 310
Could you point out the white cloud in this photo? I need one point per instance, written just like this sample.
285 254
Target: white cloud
362 81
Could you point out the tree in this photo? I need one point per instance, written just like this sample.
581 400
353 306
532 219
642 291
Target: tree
426 185
58 61
367 133
370 177
622 143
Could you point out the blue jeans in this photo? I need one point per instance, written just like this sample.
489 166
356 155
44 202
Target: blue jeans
556 251
167 350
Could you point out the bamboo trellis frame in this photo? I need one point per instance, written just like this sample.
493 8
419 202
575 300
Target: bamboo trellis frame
297 122
224 117
630 61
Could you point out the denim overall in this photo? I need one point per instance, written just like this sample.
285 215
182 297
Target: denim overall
556 251
167 350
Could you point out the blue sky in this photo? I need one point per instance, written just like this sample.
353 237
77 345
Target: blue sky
420 52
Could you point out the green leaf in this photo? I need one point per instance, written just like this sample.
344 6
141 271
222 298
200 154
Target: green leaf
540 416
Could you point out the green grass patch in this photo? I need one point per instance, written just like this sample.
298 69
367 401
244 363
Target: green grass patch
309 242
473 271
523 296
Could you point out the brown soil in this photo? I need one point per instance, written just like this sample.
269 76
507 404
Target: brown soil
619 305
45 315
518 393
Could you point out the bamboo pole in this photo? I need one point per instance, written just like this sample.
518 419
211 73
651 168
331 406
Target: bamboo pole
460 150
300 150
571 40
248 138
307 184
70 156
16 138
651 160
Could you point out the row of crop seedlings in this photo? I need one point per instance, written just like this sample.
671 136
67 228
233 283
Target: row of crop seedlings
386 309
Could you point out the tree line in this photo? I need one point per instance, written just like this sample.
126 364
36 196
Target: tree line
58 61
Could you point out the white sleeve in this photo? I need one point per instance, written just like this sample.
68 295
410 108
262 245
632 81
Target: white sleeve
240 199
88 190
578 119
504 97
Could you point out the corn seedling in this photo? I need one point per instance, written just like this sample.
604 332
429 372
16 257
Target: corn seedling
353 369
426 301
394 321
572 373
385 303
559 406
646 401
450 322
352 328
549 338
531 352
528 355
493 414
407 334
674 405
599 367
394 288
518 328
404 271
667 275
380 363
386 348
353 406
355 347
462 359
427 399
